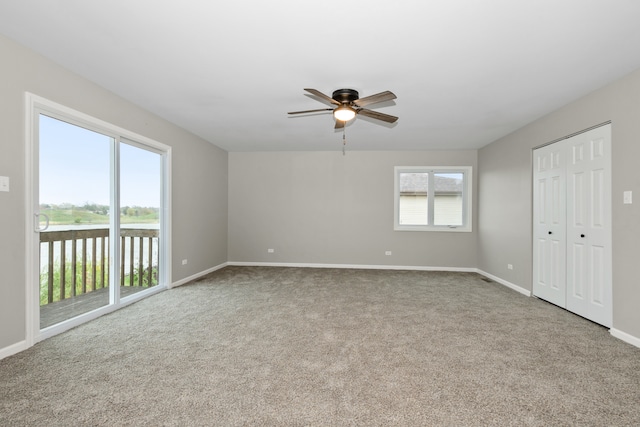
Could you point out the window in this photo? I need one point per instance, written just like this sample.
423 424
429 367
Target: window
432 198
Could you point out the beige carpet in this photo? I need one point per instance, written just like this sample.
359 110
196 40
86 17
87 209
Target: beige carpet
328 347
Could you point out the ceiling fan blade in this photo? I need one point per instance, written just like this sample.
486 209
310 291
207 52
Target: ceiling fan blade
339 124
378 97
323 96
310 111
378 116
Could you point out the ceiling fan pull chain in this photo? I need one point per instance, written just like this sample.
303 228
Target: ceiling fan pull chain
344 141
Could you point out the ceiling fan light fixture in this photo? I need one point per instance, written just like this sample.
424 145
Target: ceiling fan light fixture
344 113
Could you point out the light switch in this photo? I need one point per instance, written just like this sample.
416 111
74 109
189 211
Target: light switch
4 183
627 197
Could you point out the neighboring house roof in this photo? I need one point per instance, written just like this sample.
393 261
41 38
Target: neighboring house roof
416 183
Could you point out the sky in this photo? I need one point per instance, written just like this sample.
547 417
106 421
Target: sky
75 168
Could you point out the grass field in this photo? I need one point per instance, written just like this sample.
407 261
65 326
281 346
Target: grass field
80 215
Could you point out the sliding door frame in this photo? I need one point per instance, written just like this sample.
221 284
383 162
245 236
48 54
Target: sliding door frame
34 106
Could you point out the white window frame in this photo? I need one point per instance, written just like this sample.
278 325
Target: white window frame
467 198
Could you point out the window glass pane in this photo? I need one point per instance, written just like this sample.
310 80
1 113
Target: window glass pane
447 203
413 202
74 192
140 190
432 198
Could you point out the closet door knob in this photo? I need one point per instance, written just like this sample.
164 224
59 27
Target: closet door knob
582 235
550 233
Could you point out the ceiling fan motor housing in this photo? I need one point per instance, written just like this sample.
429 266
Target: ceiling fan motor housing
345 96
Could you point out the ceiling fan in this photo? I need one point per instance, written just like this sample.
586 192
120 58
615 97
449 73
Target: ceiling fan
348 105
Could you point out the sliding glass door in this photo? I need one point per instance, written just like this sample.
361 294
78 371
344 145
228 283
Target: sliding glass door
99 233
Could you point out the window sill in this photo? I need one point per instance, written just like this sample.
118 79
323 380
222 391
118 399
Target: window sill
444 228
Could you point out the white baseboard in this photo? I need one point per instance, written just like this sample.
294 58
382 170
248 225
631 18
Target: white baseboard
628 338
350 266
510 285
13 349
197 275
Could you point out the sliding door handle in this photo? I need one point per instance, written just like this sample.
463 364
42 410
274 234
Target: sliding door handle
37 222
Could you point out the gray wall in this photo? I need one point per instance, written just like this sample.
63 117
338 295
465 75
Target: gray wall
326 208
505 193
199 175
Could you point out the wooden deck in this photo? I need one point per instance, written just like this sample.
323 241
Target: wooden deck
56 312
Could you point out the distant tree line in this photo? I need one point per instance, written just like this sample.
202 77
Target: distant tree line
102 209
138 211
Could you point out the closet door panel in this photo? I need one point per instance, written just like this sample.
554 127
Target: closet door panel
550 225
577 279
598 276
589 274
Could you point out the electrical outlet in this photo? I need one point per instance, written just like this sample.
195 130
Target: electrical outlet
4 183
509 266
185 261
387 252
270 250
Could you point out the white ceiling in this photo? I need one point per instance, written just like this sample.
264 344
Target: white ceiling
465 72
